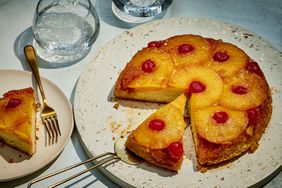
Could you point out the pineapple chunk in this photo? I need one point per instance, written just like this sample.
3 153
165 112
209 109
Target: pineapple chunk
200 53
255 96
220 133
182 78
237 60
172 115
157 78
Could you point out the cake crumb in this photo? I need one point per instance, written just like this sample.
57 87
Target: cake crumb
116 106
115 127
274 90
37 107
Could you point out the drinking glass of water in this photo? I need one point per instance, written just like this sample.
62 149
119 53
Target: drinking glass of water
64 30
139 10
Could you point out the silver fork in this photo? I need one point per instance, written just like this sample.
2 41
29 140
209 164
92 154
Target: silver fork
48 115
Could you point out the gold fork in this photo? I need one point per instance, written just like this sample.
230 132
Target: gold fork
48 115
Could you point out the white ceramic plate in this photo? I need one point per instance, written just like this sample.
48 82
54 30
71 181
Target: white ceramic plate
99 123
14 164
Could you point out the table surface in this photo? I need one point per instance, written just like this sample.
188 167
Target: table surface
263 17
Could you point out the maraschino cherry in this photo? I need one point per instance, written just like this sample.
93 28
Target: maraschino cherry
155 44
220 57
220 117
253 67
253 115
175 150
156 124
185 48
197 87
13 102
241 90
148 66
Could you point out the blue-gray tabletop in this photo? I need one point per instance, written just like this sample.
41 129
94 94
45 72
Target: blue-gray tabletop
263 17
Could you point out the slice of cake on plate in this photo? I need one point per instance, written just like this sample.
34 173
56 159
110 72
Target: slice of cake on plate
18 119
159 138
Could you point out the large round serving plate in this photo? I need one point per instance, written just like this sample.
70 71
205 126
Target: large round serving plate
100 119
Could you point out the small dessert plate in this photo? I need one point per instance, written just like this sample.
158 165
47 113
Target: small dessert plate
15 164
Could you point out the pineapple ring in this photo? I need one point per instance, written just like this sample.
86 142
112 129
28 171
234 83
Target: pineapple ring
182 78
172 115
155 79
237 60
222 133
200 53
255 96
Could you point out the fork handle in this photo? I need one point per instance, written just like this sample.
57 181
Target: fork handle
108 156
33 63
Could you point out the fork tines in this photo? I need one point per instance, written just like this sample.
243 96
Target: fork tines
52 130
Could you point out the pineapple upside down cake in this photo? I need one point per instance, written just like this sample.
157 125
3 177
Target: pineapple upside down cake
228 99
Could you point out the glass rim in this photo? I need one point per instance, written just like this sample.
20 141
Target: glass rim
82 18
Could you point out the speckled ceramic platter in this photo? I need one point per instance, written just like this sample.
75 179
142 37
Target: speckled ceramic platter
100 119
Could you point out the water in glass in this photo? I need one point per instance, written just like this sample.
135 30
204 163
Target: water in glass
64 30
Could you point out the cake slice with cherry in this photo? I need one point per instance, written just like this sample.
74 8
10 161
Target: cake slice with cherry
158 139
18 119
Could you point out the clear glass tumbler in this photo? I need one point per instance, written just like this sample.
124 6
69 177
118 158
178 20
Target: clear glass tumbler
140 9
65 29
